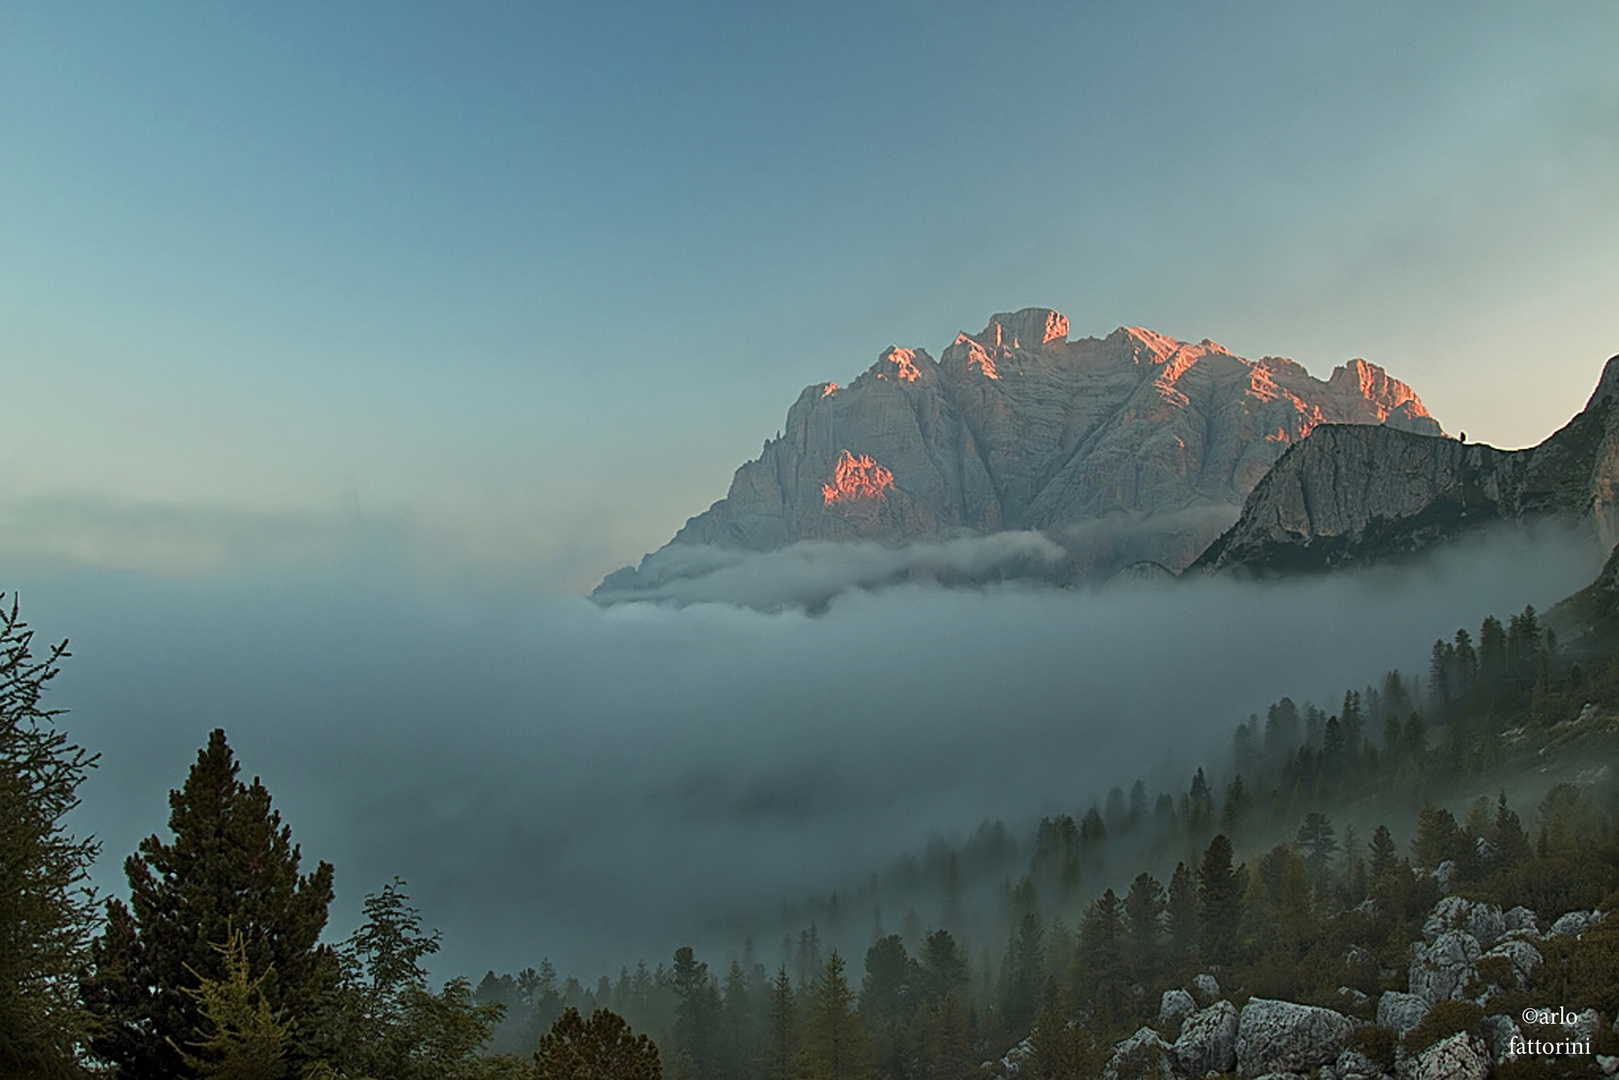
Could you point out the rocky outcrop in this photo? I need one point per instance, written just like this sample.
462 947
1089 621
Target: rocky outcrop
1401 1012
1460 1057
1442 970
1208 1041
1280 1036
1354 495
1126 448
1174 1006
1143 1056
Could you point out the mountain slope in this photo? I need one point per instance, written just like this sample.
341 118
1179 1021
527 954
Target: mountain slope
1134 446
1351 495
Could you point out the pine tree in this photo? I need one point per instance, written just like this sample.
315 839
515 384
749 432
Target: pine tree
782 1054
835 1044
1384 855
232 866
1182 912
601 1048
1102 957
1219 904
1316 837
46 911
1144 918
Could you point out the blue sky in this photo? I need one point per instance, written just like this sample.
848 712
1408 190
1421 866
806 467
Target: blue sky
508 290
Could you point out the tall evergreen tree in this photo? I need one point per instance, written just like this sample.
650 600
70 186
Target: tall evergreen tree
835 1044
1181 912
1144 920
782 1053
1219 894
232 866
46 913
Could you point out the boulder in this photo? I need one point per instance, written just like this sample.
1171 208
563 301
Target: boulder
1353 1065
1208 1041
1143 1056
1524 957
1483 920
1206 988
1575 922
1460 1057
1499 1031
1175 1005
1401 1012
1519 920
1445 874
1351 997
1282 1036
1442 970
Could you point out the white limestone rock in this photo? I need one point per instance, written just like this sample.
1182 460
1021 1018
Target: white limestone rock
1206 988
1174 1006
1208 1041
1460 1057
1575 923
1483 920
1499 1032
1443 969
1143 1056
1281 1035
1401 1012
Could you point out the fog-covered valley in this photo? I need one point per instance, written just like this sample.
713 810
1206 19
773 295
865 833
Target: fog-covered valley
596 786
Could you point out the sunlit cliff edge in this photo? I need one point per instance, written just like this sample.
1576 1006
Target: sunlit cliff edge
1126 448
1352 495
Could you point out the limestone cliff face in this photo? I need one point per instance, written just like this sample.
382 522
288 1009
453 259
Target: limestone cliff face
1133 446
1350 495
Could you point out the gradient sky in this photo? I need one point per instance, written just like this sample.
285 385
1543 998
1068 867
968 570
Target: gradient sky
508 290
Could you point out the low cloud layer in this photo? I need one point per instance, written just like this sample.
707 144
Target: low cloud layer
596 785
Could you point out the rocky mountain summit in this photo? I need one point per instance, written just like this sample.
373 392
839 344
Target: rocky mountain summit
1125 448
1352 495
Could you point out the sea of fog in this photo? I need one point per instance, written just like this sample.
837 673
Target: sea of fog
598 785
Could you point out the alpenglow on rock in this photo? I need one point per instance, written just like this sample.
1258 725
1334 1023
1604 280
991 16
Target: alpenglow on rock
1126 448
1354 495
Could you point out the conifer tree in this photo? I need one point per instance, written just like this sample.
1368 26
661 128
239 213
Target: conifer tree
1102 957
1384 854
232 866
46 912
782 1054
835 1045
1181 911
1144 918
601 1048
1219 897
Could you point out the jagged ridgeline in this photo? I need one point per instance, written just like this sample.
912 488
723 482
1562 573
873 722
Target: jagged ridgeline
1133 447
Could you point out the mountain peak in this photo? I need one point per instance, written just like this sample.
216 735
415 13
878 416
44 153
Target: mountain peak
1030 328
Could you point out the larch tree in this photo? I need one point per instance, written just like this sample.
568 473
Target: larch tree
47 915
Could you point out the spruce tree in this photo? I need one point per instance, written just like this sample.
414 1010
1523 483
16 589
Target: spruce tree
1219 895
46 913
232 866
1181 911
835 1045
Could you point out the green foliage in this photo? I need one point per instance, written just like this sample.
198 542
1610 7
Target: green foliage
231 867
242 1037
601 1048
1219 904
46 912
835 1046
382 1021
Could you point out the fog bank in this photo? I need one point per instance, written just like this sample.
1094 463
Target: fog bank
556 779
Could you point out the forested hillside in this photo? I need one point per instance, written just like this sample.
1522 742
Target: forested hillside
1328 862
